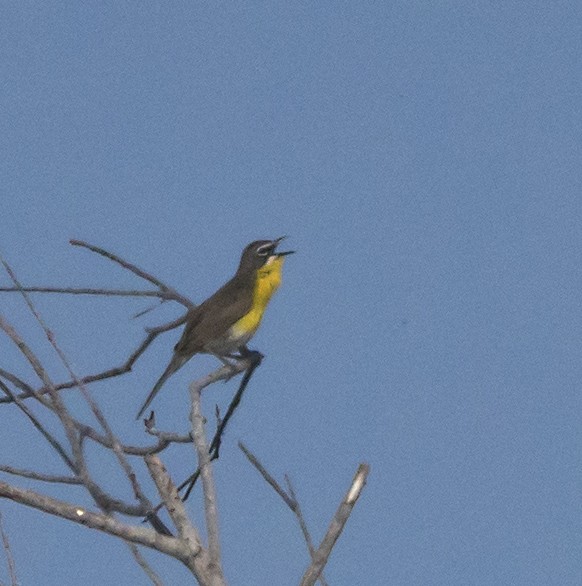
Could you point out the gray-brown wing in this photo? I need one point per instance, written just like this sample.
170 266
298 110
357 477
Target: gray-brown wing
214 317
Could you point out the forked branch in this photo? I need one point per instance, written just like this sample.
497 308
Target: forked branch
336 526
320 556
102 522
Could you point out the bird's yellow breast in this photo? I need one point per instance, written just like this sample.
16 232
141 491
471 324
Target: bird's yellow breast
268 281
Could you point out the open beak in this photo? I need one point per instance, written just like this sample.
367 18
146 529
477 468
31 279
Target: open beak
276 243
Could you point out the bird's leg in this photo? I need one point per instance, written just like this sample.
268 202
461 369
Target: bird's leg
244 352
230 365
224 358
252 356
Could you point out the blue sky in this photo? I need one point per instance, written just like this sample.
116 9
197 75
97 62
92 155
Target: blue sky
425 161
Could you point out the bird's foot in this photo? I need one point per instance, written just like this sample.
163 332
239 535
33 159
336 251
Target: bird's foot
252 358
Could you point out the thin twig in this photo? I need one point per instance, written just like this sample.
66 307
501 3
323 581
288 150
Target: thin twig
165 292
56 404
101 497
142 563
58 407
16 381
38 475
268 478
56 445
9 557
173 294
303 526
89 291
77 462
163 441
289 497
169 436
152 334
117 259
147 309
336 526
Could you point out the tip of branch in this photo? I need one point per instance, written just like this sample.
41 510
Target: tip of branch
150 422
358 483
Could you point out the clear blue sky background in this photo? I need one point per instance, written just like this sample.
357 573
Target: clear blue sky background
425 160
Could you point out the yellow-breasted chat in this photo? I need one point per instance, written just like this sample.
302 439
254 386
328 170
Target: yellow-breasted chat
228 319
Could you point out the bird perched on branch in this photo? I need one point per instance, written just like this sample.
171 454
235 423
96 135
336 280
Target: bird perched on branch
228 319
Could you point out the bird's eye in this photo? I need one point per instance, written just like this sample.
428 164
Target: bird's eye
265 249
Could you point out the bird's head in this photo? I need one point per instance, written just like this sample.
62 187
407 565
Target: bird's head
260 253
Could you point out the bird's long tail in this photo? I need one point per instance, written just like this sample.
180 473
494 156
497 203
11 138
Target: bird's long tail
178 360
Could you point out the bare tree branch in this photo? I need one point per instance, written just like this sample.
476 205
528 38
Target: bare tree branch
140 535
125 264
174 504
153 333
203 566
208 486
268 478
136 271
336 526
56 404
53 442
302 524
163 442
142 563
289 498
16 381
33 475
59 409
167 436
165 292
89 291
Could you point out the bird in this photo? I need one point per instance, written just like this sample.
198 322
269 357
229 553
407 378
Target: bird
229 318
